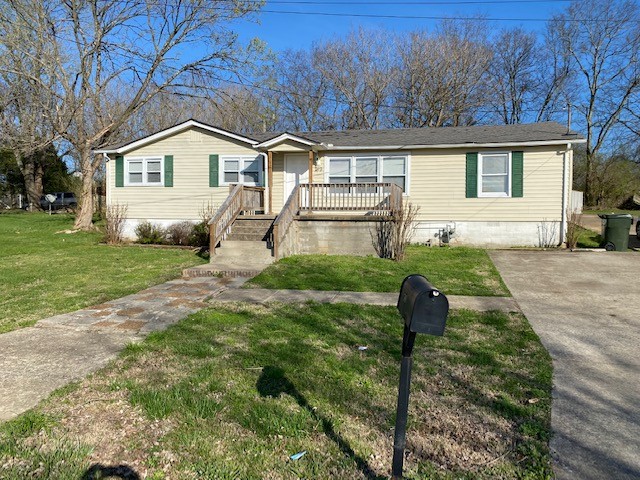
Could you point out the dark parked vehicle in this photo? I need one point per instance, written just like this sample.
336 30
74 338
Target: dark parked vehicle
62 200
638 228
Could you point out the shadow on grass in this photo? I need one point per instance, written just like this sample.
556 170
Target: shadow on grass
273 383
98 471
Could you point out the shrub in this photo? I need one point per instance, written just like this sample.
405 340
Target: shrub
573 228
391 237
115 216
179 233
148 232
199 235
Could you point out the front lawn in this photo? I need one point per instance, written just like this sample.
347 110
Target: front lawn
233 391
588 238
43 273
456 271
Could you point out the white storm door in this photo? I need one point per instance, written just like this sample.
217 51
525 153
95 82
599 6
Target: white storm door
296 171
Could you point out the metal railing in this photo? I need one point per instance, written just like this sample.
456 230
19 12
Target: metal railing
240 199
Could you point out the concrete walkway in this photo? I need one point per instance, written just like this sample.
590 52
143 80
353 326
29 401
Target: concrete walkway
60 349
584 306
263 295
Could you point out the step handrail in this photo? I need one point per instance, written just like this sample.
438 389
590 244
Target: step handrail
284 220
224 217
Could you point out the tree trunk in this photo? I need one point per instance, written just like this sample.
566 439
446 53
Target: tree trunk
84 217
28 170
38 176
589 197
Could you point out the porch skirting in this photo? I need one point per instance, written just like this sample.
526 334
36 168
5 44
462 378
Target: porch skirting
331 235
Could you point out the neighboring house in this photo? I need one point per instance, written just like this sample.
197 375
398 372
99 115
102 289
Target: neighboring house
481 185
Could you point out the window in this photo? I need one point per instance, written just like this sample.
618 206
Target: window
245 170
369 169
494 172
144 171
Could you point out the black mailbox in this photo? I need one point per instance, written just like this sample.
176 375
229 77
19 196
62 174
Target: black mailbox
423 307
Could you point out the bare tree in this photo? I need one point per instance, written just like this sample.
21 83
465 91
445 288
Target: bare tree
304 91
443 75
603 40
554 76
142 48
360 71
23 105
512 73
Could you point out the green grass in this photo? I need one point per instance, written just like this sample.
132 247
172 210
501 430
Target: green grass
43 273
588 238
634 213
456 271
233 391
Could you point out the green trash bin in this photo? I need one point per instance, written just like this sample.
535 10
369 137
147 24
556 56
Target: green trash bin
615 231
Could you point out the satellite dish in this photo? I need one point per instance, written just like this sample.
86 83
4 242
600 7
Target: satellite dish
50 198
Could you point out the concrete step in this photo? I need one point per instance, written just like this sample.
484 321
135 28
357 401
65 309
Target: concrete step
221 270
263 224
248 236
257 217
251 250
234 258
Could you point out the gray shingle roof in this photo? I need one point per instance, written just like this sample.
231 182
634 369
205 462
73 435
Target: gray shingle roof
477 134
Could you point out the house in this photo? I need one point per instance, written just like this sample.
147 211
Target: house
505 185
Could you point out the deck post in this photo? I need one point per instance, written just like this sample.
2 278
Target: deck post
270 179
310 200
212 246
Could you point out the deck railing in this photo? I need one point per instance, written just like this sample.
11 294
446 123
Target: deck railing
240 199
372 198
378 198
284 220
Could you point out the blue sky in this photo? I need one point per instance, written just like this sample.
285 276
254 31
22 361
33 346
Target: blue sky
282 31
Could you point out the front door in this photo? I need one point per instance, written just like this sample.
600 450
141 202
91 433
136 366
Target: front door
296 171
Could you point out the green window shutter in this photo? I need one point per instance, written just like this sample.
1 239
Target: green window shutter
517 174
472 175
168 170
119 171
213 170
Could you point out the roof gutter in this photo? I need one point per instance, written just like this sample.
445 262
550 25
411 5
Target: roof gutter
331 147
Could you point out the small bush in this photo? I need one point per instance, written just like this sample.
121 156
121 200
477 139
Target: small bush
573 228
115 217
199 235
150 233
180 233
390 238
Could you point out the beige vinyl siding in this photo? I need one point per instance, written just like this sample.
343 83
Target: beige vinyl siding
290 146
278 182
437 185
190 191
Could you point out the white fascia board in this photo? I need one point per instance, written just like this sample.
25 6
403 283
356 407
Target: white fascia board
456 145
170 131
283 137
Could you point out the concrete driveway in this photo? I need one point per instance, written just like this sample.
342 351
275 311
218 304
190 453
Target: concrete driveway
585 306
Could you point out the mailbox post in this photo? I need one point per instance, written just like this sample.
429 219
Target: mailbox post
424 310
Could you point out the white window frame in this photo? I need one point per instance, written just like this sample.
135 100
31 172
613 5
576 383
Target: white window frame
145 182
506 194
380 173
241 159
